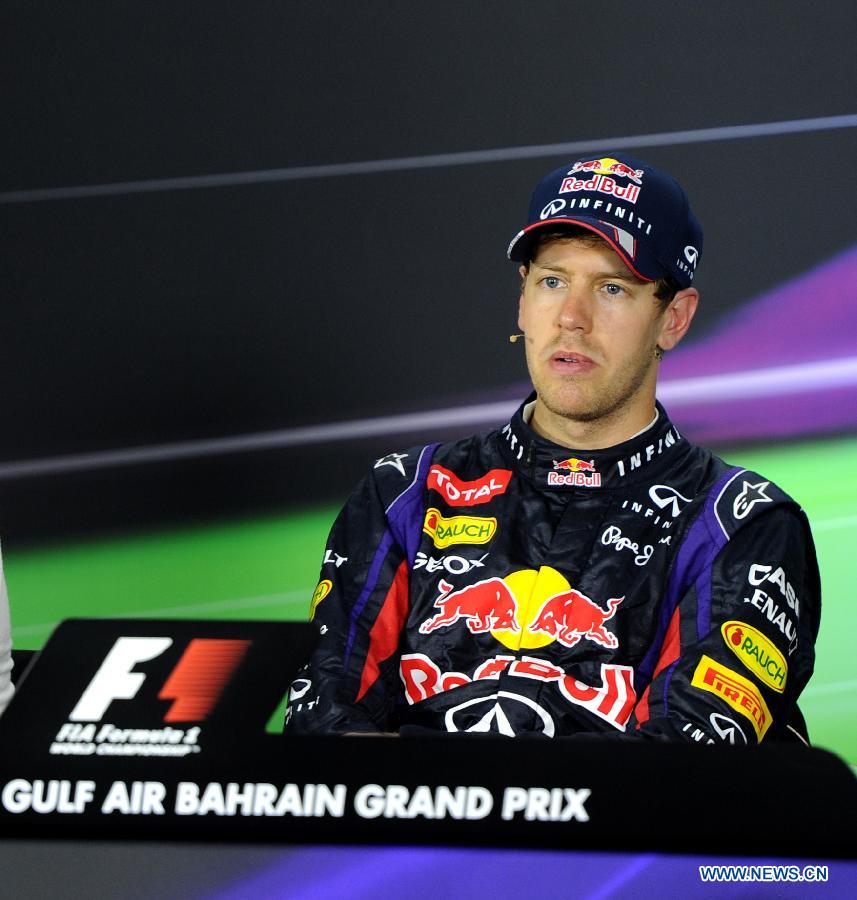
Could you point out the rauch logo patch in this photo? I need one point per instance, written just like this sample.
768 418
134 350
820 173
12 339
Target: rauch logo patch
458 529
757 653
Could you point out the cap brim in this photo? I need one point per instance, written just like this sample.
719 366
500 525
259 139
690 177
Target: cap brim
633 256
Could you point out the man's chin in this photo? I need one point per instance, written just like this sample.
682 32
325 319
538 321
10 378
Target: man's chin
578 409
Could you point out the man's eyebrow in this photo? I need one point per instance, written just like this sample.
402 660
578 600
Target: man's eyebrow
624 274
549 268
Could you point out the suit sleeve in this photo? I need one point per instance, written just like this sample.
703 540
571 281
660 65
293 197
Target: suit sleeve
739 646
359 608
6 688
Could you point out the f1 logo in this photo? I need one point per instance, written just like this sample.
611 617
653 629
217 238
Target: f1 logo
195 684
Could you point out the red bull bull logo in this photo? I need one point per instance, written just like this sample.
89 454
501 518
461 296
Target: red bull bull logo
573 464
574 472
591 165
524 610
572 616
485 606
608 166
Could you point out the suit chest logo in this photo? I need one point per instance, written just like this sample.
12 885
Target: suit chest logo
457 492
525 610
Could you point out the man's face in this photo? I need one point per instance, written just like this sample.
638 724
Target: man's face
591 331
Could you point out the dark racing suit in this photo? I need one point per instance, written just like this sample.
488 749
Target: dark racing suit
503 583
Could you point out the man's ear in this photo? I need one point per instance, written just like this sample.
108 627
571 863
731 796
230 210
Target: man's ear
677 318
522 271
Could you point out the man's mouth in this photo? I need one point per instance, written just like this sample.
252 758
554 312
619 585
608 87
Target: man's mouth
570 362
570 356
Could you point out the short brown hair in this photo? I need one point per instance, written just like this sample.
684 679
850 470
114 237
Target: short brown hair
665 288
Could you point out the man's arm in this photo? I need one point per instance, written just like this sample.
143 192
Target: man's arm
361 603
739 647
6 688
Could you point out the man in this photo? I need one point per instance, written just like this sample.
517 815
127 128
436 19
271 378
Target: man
584 569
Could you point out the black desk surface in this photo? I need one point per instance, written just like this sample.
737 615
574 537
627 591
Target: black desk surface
227 779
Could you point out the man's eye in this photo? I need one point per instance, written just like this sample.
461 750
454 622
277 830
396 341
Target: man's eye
551 281
614 289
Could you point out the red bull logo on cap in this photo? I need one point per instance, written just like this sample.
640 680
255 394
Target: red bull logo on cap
608 166
604 184
574 472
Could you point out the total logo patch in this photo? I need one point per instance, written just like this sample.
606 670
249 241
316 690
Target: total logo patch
757 653
322 589
736 690
458 529
525 610
457 492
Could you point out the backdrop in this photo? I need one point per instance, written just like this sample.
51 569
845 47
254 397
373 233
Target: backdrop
246 221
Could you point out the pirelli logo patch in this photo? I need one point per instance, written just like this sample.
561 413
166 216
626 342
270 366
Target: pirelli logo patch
458 529
736 690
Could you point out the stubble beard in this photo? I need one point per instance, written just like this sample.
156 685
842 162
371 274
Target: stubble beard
590 403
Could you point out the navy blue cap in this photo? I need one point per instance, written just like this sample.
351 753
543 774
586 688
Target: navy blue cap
642 212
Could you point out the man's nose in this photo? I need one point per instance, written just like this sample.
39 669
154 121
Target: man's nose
576 311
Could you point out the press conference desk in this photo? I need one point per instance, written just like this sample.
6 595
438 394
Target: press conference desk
91 746
469 790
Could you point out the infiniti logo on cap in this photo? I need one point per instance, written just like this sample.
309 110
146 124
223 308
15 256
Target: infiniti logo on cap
552 208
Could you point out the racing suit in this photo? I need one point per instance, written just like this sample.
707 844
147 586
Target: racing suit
503 583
